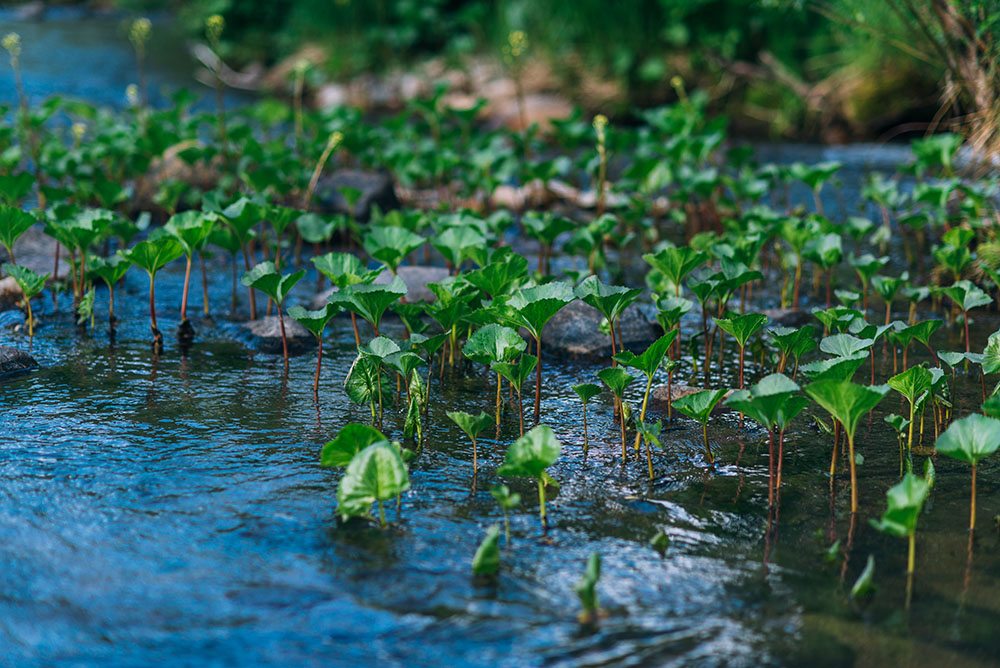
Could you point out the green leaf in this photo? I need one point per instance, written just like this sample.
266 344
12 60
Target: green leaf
343 269
651 358
966 295
616 378
586 391
110 269
506 499
837 368
314 321
13 223
904 501
391 245
486 561
970 439
586 587
370 301
845 345
530 455
494 343
675 262
765 401
699 405
376 473
154 254
912 383
532 308
472 425
516 374
350 440
864 584
846 401
609 300
742 327
27 280
991 354
265 277
458 244
191 228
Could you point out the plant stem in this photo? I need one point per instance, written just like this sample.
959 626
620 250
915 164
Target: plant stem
972 510
284 337
475 456
541 505
152 307
708 450
499 385
642 411
319 364
187 283
854 477
586 440
911 553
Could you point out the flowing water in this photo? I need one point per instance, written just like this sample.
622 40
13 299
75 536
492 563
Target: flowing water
170 509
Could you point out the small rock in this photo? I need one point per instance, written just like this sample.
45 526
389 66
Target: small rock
331 96
10 293
14 361
787 317
575 331
416 278
376 188
264 335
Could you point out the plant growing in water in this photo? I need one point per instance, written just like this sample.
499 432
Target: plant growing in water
316 322
617 380
376 474
913 384
647 363
970 439
486 560
31 285
494 344
508 501
472 425
586 392
609 300
528 457
847 403
151 256
516 374
905 500
698 406
267 279
192 229
586 591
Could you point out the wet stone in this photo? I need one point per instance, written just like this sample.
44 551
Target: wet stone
14 361
575 331
376 190
264 335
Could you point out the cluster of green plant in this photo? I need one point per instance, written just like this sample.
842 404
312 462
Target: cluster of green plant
745 246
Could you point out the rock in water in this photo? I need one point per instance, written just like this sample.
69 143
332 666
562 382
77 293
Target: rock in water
10 293
14 361
373 189
264 335
575 331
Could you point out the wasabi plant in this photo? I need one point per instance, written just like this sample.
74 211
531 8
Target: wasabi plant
793 343
966 296
111 270
609 300
586 591
370 301
343 270
350 440
617 380
847 403
528 457
913 384
192 229
267 279
316 322
492 344
508 501
30 284
13 223
532 308
970 439
472 425
699 406
586 392
741 328
648 363
391 245
516 374
904 502
376 474
486 560
151 256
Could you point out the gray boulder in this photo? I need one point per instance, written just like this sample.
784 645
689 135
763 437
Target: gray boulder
14 361
575 331
376 188
264 335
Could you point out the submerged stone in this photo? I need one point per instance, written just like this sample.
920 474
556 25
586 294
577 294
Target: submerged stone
374 189
14 361
264 335
576 331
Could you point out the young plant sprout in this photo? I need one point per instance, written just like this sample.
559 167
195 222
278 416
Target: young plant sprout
609 300
966 296
350 440
516 374
617 380
528 457
486 560
343 270
192 229
970 440
647 363
111 270
586 392
494 344
508 501
267 279
13 223
316 322
370 301
913 384
532 308
586 591
847 403
151 256
904 501
375 474
30 284
699 406
741 328
473 426
391 245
